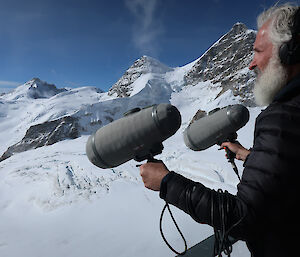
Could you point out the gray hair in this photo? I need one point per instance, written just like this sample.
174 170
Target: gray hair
282 19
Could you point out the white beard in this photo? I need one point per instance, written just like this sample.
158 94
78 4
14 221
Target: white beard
269 82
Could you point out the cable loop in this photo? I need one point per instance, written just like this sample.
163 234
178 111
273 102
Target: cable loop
162 234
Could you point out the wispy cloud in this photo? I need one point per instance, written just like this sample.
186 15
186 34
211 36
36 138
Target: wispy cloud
72 84
4 83
147 27
6 86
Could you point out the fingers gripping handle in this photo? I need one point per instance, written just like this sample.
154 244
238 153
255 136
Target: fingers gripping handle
230 157
229 154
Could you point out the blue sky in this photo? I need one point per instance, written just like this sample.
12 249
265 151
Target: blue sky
88 42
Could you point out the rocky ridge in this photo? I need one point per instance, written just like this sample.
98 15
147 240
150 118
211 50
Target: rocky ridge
47 133
226 64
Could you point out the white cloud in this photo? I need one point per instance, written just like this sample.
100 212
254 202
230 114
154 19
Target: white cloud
148 27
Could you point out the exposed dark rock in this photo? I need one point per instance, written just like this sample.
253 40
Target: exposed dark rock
199 114
47 133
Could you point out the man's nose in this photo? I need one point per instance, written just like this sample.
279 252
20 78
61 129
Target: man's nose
252 64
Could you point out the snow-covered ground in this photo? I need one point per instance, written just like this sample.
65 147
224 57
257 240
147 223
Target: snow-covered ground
54 202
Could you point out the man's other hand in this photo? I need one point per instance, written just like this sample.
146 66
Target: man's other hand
241 152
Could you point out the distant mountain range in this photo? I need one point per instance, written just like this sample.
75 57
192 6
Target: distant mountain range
37 113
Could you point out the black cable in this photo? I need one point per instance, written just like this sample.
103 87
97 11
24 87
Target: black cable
162 234
222 242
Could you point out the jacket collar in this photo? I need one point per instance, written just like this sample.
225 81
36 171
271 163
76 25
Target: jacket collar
290 90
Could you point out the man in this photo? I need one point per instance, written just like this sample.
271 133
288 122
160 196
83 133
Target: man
264 212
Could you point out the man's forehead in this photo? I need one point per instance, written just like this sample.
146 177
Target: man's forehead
264 29
263 32
262 36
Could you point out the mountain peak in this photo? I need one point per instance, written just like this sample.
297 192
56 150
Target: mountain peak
239 25
147 64
34 89
226 62
239 29
35 83
144 65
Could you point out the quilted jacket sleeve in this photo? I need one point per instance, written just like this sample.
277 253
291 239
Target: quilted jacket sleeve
266 181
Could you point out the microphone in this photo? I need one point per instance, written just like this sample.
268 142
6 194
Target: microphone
218 126
138 135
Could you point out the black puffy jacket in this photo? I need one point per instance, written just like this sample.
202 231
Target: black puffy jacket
265 211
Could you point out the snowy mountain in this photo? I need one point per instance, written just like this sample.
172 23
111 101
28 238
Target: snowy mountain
49 187
20 114
125 86
34 89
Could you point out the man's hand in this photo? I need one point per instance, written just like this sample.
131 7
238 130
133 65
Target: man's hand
241 152
152 174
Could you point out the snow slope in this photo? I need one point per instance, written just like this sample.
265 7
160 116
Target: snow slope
56 203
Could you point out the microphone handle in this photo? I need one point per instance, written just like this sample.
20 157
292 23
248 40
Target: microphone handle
231 156
149 159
